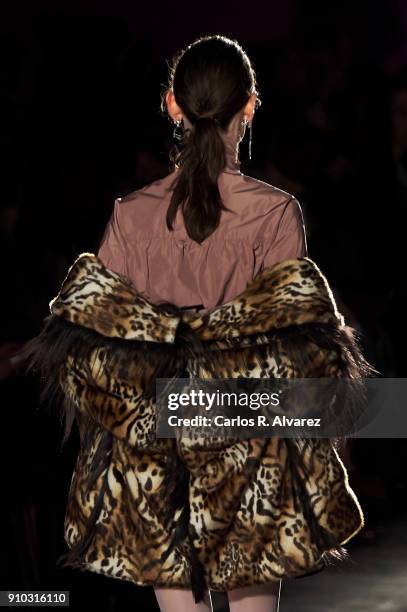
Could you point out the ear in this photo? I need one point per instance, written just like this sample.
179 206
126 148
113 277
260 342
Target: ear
174 110
249 108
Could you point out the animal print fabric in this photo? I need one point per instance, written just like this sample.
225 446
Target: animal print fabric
152 510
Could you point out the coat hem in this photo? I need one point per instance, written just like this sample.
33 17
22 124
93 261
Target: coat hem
188 585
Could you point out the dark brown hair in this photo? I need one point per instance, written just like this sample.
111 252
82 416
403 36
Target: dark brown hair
212 79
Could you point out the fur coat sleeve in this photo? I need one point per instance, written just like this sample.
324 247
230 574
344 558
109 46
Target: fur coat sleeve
164 512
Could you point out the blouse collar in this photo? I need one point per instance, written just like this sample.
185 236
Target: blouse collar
231 137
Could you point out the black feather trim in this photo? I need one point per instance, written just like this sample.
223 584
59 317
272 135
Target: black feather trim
47 353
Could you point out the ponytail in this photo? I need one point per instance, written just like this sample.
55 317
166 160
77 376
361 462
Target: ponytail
212 79
195 188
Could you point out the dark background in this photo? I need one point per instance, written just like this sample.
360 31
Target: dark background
81 124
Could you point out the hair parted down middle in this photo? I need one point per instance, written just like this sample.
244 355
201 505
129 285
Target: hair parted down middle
212 79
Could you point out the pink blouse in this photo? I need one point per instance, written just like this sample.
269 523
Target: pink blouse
168 265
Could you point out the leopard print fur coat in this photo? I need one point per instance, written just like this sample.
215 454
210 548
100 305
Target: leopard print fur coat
156 511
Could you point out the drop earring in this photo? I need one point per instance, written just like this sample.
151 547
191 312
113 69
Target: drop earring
250 139
178 132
